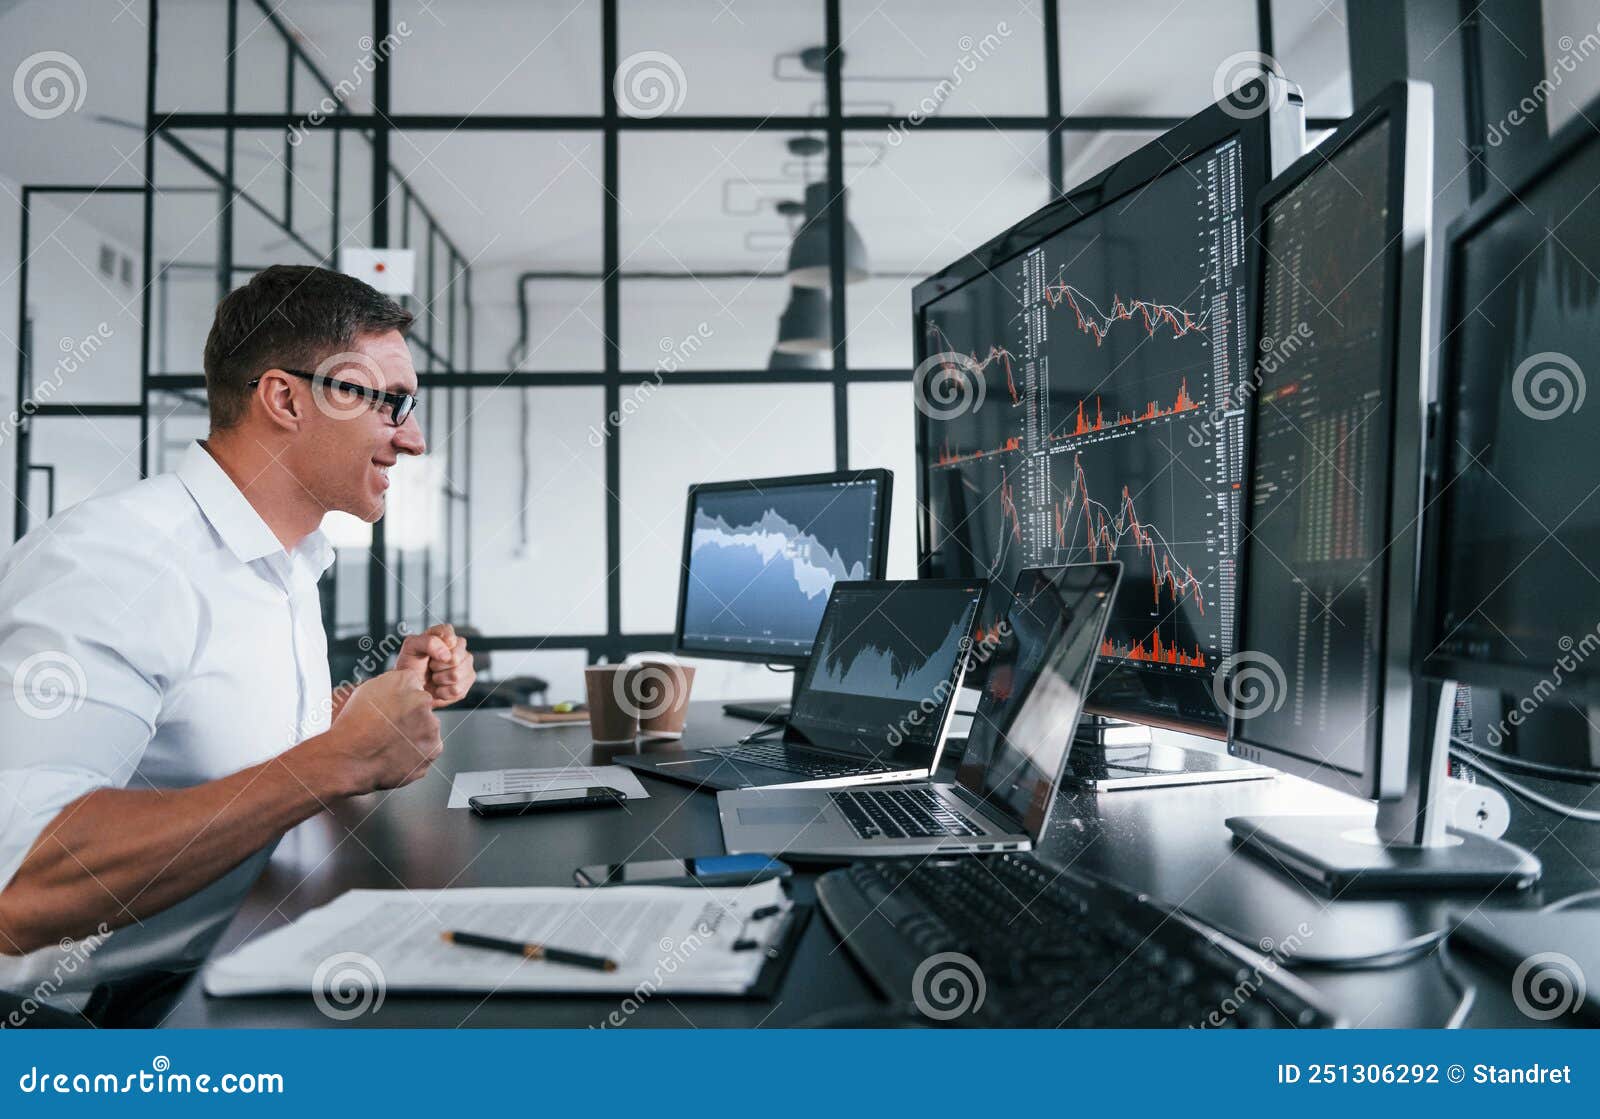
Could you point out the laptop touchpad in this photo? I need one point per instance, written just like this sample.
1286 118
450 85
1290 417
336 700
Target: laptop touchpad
780 814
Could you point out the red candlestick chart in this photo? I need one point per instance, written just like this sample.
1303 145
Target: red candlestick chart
1081 520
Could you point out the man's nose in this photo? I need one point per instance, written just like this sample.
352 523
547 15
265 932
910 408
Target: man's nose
408 438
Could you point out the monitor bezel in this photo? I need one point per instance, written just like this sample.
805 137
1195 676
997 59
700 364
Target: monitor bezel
1408 108
1505 676
1267 116
880 529
970 776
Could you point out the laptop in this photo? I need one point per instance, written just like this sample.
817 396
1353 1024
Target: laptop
1039 665
874 699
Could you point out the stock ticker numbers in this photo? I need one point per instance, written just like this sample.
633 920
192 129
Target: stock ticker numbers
1104 352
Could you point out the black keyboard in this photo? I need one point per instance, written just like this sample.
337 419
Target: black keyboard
899 813
775 755
1008 941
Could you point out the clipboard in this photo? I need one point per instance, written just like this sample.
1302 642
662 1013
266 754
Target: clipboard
781 953
652 927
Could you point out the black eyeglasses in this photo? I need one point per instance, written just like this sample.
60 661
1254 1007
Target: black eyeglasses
401 404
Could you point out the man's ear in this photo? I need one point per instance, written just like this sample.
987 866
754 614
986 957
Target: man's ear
280 401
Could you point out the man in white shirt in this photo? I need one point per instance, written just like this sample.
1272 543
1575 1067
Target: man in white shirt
171 714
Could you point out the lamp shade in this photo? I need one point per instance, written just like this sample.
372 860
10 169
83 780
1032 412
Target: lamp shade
781 361
808 256
803 328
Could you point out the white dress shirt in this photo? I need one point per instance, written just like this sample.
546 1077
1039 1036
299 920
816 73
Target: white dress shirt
158 637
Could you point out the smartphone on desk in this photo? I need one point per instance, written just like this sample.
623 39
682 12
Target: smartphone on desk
551 800
714 870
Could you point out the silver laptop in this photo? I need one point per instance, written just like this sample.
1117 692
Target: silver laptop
1038 673
875 699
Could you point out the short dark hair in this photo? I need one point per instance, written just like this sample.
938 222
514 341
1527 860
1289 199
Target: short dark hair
288 316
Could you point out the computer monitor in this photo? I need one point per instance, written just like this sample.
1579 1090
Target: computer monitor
760 557
1074 385
1513 539
1322 685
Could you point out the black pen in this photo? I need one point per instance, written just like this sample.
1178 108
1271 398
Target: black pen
529 951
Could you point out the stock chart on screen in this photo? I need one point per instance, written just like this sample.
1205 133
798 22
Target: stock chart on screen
879 649
1087 407
762 562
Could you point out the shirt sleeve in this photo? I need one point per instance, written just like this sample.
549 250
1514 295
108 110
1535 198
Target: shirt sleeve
91 638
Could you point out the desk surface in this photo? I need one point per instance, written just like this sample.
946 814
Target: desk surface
1170 843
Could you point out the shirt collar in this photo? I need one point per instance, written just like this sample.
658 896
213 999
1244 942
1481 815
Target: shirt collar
235 519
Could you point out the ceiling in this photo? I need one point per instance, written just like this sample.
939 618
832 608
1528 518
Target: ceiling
513 201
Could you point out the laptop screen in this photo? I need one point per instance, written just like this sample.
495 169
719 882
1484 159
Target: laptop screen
1039 664
885 668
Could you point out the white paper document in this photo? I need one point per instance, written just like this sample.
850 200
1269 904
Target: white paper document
490 782
668 938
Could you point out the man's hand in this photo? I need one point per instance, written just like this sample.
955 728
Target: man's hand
441 654
386 735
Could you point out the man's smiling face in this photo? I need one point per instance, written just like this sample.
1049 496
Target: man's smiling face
349 444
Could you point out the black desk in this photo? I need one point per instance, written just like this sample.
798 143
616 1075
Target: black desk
1170 843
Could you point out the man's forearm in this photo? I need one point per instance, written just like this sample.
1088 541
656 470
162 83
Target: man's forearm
120 855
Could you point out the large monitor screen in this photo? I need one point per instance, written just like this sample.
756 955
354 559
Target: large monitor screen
1314 572
1518 502
760 558
1083 404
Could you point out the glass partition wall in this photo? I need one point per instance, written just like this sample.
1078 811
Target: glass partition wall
654 244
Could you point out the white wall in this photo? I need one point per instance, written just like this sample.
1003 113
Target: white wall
85 341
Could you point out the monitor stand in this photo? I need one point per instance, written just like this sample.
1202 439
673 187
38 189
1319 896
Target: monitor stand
1407 847
1108 754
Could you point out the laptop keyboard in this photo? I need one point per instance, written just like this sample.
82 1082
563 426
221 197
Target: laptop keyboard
899 814
774 755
